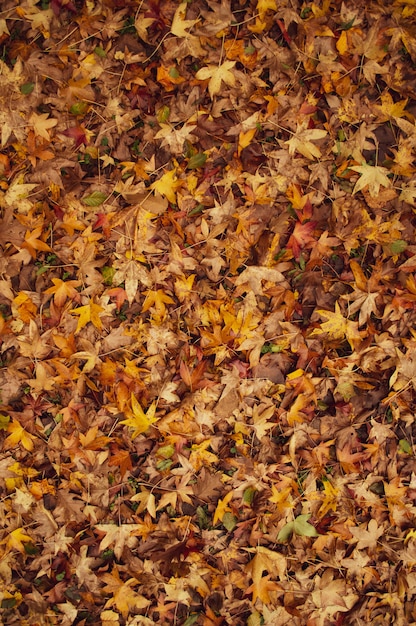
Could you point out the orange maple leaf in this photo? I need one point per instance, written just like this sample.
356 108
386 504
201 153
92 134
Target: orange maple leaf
63 290
121 459
33 243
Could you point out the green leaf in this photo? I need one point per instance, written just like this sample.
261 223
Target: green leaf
108 274
248 496
79 108
299 526
100 52
229 521
164 465
166 451
404 446
398 246
4 421
303 528
30 548
347 25
202 518
95 198
196 210
27 88
285 532
255 619
163 114
173 72
198 160
191 619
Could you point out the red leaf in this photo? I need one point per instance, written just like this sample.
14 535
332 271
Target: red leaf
301 237
78 134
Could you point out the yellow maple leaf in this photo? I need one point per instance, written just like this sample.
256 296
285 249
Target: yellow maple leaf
17 193
179 23
18 435
282 497
88 313
389 109
167 185
331 494
138 420
265 560
216 75
16 540
222 508
295 413
122 596
301 142
157 298
266 5
372 176
183 286
200 456
339 327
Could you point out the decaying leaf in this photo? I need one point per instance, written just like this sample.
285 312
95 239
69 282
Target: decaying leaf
207 312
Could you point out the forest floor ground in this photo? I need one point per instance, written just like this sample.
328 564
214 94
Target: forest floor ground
208 304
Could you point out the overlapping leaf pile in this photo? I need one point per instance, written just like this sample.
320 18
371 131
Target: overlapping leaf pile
207 305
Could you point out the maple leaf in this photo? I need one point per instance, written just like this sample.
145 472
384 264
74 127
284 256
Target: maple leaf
180 25
121 459
123 597
119 294
157 298
372 176
390 109
63 290
36 149
169 77
339 327
272 562
146 500
408 194
329 497
117 536
32 243
16 540
41 124
301 237
301 141
282 497
262 419
216 75
200 456
16 195
138 420
88 313
222 508
295 413
251 279
367 538
175 139
167 185
330 596
18 435
79 134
